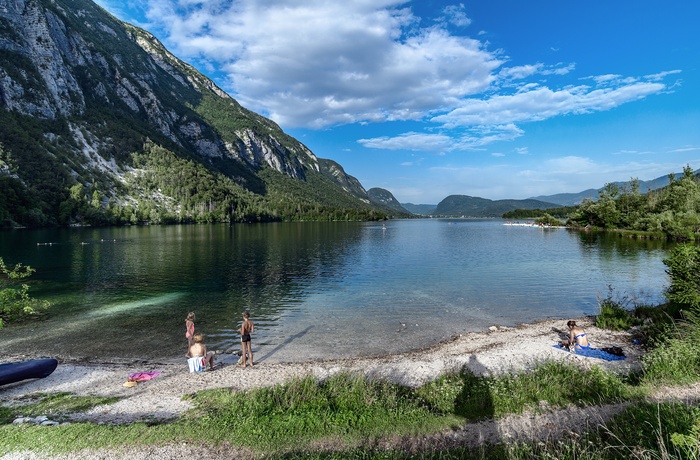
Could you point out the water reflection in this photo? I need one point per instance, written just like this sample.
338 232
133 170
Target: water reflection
314 289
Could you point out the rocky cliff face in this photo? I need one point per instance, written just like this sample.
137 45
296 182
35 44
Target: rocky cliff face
63 59
83 95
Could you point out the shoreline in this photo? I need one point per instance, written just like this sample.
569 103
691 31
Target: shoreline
491 352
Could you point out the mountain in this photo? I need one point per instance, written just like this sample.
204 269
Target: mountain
463 205
572 199
100 124
568 199
420 209
385 199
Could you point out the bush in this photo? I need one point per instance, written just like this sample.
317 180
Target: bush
15 302
684 269
616 312
613 316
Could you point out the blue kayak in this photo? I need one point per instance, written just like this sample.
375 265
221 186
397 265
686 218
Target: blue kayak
33 369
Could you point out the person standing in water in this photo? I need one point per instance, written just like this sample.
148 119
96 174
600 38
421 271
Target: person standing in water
247 328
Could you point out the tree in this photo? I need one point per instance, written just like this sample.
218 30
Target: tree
15 302
684 269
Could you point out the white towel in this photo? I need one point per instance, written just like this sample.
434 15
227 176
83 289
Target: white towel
195 364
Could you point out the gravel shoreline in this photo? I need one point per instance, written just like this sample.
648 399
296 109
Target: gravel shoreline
498 350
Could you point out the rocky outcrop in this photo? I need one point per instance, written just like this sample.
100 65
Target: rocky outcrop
69 60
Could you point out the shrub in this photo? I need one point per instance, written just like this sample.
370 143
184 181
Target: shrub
614 313
15 302
684 269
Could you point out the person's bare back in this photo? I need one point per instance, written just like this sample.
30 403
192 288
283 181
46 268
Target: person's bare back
199 350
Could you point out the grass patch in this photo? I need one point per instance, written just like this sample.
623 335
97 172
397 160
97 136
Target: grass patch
348 416
643 431
344 411
54 405
557 383
674 362
346 407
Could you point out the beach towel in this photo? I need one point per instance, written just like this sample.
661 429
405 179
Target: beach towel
593 353
143 376
195 364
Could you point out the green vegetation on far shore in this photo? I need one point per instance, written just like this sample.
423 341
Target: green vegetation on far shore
672 212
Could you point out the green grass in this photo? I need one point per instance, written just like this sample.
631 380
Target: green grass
53 405
345 407
345 411
674 362
667 431
556 383
349 416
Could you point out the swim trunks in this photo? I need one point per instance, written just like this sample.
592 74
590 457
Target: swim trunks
245 338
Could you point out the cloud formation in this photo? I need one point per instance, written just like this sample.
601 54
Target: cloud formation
319 64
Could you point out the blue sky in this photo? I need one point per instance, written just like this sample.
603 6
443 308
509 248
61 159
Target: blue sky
491 98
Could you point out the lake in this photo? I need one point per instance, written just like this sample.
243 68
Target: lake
314 290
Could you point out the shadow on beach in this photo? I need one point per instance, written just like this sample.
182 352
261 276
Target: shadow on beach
284 344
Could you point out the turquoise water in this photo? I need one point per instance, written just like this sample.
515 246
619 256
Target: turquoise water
314 290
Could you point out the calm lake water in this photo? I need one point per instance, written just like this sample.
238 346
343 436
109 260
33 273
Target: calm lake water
314 290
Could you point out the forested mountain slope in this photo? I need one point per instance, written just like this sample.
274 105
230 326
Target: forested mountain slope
469 206
100 124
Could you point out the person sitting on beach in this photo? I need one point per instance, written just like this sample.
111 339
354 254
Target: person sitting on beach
199 350
577 337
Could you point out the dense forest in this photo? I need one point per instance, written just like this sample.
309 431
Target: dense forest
168 189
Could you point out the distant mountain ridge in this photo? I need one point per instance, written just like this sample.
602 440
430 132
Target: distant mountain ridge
469 206
454 205
572 199
385 199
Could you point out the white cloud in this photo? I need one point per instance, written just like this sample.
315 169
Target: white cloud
685 149
661 75
540 103
475 138
319 63
633 152
455 15
475 122
410 141
519 72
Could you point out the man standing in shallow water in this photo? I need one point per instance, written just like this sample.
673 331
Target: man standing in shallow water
247 328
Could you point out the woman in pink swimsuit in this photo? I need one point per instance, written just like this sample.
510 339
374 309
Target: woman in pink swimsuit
189 331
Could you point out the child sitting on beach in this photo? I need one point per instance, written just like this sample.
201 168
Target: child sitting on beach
199 350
